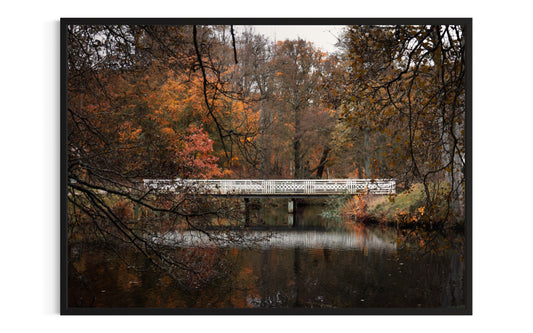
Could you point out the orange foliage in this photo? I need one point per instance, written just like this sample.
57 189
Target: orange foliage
196 156
356 208
123 210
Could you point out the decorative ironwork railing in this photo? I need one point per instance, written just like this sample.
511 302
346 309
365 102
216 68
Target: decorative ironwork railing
274 186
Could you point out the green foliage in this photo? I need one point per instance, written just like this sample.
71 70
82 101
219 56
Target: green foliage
333 206
411 207
387 208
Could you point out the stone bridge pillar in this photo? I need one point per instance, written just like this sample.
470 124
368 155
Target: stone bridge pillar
291 209
292 206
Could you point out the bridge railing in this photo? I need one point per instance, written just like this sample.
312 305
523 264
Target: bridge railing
274 186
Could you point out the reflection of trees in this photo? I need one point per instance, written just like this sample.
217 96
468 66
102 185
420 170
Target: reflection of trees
99 278
428 242
369 277
297 278
271 278
421 245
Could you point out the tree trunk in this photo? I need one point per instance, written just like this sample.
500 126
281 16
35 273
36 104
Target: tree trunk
322 164
366 149
296 145
453 154
453 147
264 152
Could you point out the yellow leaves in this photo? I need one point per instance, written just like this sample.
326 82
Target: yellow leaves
136 132
226 173
168 131
418 133
401 212
128 132
403 216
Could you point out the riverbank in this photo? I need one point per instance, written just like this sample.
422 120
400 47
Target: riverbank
404 210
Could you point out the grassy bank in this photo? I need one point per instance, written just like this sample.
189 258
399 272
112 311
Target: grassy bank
403 206
407 209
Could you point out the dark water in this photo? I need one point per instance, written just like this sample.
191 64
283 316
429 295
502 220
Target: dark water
314 263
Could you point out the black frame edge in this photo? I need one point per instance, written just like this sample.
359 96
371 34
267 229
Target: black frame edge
468 170
63 167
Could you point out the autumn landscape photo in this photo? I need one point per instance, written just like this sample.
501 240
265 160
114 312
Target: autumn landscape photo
266 166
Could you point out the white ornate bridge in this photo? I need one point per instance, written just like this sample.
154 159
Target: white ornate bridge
274 187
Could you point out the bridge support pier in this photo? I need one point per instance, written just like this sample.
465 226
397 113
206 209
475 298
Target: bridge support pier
245 208
291 208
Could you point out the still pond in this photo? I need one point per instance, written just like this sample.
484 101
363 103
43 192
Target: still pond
315 263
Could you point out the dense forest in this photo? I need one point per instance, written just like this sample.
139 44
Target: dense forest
200 102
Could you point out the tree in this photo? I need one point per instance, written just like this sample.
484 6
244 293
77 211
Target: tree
135 95
255 75
298 79
408 82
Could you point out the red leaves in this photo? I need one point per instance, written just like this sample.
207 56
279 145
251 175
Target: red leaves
196 158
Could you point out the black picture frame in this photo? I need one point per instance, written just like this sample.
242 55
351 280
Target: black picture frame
66 310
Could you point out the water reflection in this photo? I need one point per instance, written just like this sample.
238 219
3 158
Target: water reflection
307 266
284 239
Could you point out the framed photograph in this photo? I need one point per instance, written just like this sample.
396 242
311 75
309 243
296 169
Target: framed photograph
266 166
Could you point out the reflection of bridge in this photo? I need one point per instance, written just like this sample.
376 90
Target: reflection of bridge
274 188
284 239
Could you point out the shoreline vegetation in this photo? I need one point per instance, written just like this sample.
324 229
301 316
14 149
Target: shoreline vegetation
408 209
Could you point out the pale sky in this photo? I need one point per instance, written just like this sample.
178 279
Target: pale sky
323 36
